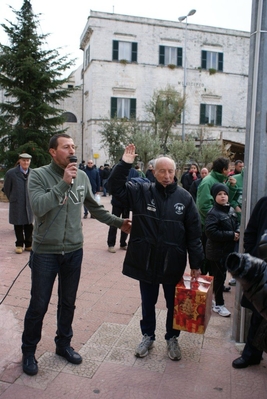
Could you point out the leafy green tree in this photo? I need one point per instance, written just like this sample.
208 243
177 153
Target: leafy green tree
156 135
115 136
208 152
147 146
183 151
31 79
164 109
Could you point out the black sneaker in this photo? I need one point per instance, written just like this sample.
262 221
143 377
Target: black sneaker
29 364
69 354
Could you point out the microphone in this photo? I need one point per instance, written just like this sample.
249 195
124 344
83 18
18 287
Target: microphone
73 158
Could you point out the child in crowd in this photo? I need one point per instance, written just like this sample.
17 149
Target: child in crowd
222 231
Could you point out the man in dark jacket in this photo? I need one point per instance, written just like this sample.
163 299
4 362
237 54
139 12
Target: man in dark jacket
93 176
165 227
119 210
256 226
20 212
105 175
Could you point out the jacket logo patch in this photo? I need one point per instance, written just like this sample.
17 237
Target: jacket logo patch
152 206
77 197
179 208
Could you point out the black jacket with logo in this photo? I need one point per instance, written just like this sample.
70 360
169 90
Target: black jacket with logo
220 226
165 227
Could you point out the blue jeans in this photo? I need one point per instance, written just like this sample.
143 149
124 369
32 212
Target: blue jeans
149 295
44 270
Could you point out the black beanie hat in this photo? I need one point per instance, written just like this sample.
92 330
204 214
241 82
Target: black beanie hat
217 187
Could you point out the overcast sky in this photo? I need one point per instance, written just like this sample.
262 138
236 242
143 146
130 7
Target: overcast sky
65 20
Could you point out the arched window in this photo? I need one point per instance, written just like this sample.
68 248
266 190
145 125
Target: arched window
69 117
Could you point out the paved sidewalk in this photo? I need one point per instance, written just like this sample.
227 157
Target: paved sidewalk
106 332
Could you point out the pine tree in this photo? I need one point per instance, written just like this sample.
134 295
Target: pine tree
33 86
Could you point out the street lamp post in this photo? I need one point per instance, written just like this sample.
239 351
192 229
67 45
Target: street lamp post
184 17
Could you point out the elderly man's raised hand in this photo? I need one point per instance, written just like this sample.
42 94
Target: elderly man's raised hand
129 154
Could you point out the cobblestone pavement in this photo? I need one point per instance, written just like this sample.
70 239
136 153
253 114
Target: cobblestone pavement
106 332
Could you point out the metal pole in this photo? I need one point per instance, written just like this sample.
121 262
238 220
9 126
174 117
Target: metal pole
184 91
184 17
257 34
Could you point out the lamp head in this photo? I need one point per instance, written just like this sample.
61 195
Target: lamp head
191 12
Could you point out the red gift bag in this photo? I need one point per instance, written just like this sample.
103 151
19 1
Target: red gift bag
192 304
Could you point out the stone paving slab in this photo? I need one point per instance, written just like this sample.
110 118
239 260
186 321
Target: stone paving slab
106 333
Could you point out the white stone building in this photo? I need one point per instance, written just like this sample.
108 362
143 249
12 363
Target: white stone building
216 75
127 58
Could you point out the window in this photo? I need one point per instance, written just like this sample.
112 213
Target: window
170 55
210 114
211 60
124 51
123 108
69 117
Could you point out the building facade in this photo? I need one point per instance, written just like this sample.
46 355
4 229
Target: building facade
127 58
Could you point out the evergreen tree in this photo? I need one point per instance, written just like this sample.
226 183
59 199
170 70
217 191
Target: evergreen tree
33 86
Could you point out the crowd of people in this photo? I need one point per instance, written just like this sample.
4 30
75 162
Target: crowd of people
170 225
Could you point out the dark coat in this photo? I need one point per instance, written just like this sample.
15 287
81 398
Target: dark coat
94 178
165 226
188 180
15 188
220 226
132 174
105 173
150 175
194 187
251 272
255 228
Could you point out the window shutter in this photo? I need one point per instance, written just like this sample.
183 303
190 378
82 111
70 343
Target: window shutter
133 108
161 55
113 107
115 50
134 52
179 56
202 114
219 115
204 59
220 61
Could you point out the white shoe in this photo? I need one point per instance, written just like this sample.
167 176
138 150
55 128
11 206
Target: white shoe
174 351
144 346
112 250
221 310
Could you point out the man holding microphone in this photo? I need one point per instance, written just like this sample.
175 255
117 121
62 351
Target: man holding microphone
57 193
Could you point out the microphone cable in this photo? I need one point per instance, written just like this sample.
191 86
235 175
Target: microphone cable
47 230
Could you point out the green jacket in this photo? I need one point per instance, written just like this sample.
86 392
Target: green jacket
237 199
205 200
57 209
